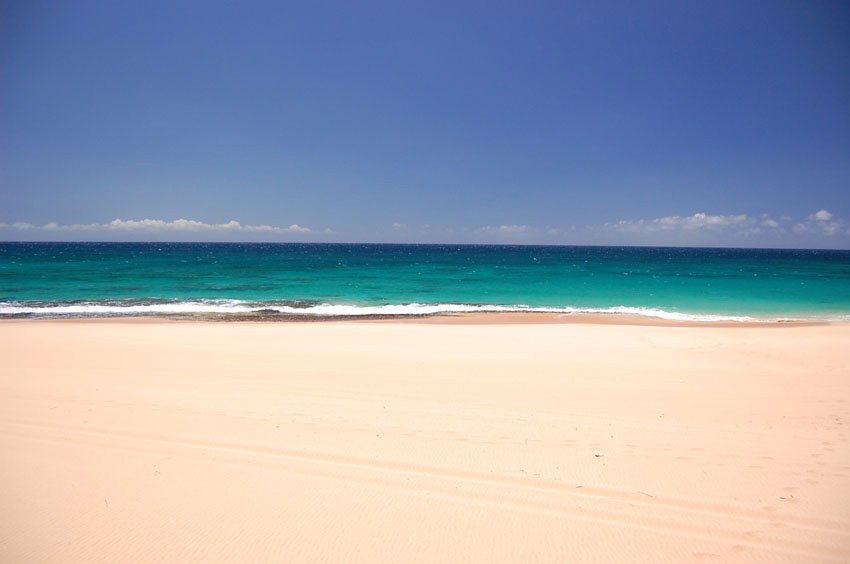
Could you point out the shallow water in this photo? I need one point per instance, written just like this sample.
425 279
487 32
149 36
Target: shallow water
339 279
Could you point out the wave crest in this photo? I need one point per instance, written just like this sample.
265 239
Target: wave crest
118 308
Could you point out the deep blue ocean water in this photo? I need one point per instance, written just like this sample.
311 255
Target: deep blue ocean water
678 283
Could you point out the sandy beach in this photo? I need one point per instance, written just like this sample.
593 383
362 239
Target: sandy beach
172 441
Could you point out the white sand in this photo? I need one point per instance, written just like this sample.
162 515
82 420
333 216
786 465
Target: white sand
406 442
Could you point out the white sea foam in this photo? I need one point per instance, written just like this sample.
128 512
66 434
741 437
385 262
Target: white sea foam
94 309
335 310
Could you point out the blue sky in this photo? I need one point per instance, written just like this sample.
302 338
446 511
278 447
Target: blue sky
714 123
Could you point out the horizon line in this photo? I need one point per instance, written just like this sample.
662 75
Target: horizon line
150 242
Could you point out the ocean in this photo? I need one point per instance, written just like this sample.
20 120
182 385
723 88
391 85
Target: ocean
86 279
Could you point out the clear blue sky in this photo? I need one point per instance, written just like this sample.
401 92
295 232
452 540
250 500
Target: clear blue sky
552 122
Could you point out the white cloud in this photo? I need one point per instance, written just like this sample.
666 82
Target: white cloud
697 221
821 222
159 225
701 228
505 229
182 225
398 226
513 228
294 228
53 226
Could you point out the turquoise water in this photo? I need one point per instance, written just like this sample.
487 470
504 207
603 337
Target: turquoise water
132 278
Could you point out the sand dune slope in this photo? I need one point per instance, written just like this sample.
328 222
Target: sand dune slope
400 442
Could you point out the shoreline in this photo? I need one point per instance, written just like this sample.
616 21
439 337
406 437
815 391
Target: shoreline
462 318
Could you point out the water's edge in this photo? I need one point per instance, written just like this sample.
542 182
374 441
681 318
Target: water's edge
293 311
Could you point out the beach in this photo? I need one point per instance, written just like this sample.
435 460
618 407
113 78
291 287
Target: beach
463 439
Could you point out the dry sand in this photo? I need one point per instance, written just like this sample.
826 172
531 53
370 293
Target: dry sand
423 442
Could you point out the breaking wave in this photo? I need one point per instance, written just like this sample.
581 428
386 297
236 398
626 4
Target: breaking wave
136 307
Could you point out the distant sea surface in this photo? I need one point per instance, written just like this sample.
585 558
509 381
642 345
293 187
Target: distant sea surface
82 279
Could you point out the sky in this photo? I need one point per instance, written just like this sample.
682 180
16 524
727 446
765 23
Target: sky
624 123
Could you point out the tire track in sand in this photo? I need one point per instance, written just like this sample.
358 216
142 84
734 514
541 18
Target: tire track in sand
741 527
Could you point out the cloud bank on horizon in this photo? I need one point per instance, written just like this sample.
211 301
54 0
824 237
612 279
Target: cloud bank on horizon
133 230
698 229
820 229
160 225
